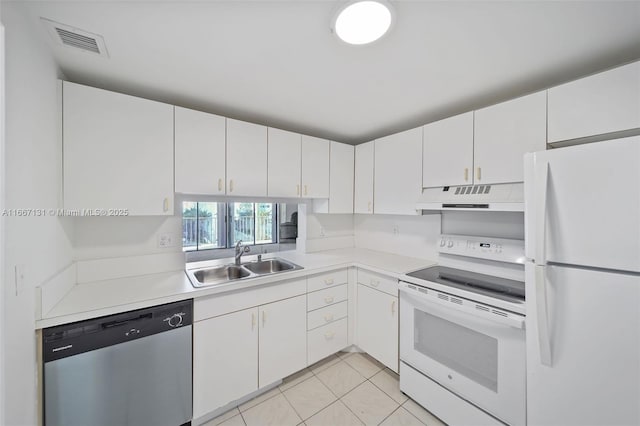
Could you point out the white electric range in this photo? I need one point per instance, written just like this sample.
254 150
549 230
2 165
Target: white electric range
462 337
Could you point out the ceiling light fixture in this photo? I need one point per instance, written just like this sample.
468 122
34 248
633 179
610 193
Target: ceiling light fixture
362 22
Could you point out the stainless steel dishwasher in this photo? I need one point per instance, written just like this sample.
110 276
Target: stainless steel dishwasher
133 368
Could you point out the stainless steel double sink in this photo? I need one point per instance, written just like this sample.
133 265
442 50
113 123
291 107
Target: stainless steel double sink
216 275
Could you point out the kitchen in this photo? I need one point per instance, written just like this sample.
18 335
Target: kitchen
397 156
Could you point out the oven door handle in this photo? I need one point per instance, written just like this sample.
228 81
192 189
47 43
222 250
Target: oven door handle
492 315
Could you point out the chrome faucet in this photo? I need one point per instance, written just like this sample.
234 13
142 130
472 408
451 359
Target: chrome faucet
240 250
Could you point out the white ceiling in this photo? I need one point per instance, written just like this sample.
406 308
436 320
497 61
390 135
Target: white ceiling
276 62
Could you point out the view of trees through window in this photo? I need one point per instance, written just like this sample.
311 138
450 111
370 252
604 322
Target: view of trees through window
210 225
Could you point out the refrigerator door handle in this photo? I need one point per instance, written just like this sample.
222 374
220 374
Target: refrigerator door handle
542 180
544 342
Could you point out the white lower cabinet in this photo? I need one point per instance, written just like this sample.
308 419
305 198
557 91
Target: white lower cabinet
225 361
377 325
328 339
237 353
282 337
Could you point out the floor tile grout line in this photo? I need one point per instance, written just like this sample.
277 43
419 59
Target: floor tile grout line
390 414
294 408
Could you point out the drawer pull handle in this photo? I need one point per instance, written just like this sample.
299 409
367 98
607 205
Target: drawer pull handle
329 336
375 283
231 185
466 174
298 189
393 307
328 299
165 205
305 190
328 281
219 184
264 318
328 318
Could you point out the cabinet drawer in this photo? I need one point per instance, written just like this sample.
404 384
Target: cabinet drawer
327 340
379 282
329 279
326 297
327 315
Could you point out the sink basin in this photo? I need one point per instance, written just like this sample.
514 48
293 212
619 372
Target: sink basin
219 275
270 266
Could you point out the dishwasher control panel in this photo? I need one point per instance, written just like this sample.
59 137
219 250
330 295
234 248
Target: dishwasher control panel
84 336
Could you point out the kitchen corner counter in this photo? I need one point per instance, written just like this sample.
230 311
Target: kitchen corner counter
106 297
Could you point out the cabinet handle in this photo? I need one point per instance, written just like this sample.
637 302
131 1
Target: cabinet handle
374 283
165 205
393 307
305 190
328 299
466 174
328 281
253 321
329 336
219 184
264 317
298 189
479 173
369 206
328 318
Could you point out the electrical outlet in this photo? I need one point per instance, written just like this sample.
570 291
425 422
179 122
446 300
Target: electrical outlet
396 230
166 240
19 278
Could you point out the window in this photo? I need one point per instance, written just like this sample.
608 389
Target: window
210 225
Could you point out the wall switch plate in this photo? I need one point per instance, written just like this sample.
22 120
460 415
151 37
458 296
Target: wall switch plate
166 240
19 278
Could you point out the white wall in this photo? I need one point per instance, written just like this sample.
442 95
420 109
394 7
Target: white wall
103 237
413 236
32 168
416 236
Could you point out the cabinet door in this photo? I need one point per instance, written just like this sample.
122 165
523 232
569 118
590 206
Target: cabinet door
377 323
504 133
398 172
363 197
341 178
315 167
118 152
225 365
200 140
448 152
284 163
246 159
601 103
283 339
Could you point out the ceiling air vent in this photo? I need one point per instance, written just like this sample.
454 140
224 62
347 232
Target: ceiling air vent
75 38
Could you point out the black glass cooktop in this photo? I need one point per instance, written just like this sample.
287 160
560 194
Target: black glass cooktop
478 283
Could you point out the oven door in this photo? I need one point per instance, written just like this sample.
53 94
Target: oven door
476 353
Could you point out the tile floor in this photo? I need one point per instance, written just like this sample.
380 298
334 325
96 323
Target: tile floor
346 389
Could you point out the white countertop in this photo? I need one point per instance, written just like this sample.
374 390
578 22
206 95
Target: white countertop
98 298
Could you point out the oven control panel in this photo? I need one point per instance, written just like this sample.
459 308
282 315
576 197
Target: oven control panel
497 249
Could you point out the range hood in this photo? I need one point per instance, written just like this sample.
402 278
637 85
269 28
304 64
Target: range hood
507 197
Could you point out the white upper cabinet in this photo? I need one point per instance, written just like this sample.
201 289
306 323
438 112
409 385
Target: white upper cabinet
118 152
341 178
602 103
398 172
315 167
246 159
448 152
200 163
504 133
363 197
284 163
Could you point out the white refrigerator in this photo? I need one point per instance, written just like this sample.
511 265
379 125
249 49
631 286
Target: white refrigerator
582 231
